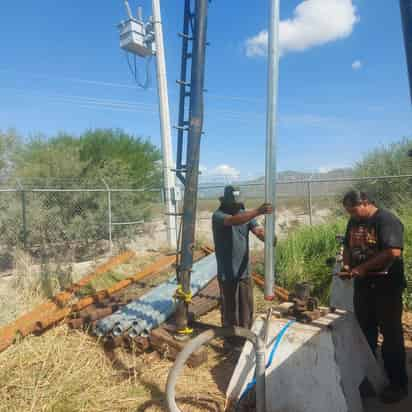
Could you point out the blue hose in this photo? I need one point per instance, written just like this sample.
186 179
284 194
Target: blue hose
279 337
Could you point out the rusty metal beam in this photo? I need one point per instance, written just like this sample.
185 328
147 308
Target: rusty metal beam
155 267
46 313
280 293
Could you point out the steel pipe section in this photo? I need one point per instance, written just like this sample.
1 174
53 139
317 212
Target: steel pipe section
157 306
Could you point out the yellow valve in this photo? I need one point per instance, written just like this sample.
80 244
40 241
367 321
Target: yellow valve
180 294
185 331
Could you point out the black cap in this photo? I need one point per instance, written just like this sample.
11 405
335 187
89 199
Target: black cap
229 194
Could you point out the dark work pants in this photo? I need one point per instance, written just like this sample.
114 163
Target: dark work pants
381 310
237 302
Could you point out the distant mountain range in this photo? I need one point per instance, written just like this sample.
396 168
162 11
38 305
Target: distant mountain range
286 186
291 175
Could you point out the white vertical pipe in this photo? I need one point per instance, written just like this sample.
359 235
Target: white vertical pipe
271 128
168 175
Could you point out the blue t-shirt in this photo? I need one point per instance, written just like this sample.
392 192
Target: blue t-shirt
231 247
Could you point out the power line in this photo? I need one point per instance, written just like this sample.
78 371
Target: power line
125 86
123 105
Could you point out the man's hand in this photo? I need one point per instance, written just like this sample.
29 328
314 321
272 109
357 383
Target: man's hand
348 273
358 272
265 209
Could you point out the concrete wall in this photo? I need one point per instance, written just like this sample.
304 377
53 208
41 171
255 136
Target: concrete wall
317 367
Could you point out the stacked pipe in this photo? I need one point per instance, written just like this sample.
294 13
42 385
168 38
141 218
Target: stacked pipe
51 311
110 300
156 306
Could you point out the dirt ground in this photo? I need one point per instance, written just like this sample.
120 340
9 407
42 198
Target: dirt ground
68 371
45 373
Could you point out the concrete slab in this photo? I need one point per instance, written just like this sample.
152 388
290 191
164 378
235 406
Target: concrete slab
316 368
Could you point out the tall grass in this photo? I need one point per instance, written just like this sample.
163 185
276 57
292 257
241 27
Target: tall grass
302 257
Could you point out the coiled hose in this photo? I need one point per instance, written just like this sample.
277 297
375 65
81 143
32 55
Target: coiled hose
206 337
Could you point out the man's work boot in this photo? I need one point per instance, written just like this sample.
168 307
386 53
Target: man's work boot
394 394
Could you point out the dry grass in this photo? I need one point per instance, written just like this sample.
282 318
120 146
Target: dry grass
69 371
63 371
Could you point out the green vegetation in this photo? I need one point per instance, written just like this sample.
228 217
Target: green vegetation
302 257
55 221
102 153
387 161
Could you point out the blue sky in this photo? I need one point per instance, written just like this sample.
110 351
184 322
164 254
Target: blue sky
343 83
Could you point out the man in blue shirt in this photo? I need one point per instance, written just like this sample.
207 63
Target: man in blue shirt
231 225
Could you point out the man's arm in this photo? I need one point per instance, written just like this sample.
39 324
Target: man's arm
259 232
379 262
247 215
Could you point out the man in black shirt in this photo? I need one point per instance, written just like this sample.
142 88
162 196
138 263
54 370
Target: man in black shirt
373 257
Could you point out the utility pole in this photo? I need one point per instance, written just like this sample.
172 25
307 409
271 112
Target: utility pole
271 134
168 175
144 40
406 13
195 125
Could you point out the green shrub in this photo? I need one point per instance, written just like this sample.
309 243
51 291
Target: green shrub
389 160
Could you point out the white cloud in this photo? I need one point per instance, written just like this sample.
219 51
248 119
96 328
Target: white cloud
202 169
225 171
325 169
357 65
314 23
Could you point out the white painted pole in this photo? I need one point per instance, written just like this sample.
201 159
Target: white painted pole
168 175
271 129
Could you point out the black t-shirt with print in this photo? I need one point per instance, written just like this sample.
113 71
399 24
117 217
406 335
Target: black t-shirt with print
364 239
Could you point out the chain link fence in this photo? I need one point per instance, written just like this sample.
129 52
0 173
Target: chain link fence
70 224
300 201
66 223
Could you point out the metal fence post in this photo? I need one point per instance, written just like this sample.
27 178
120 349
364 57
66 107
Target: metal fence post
109 213
24 214
309 184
